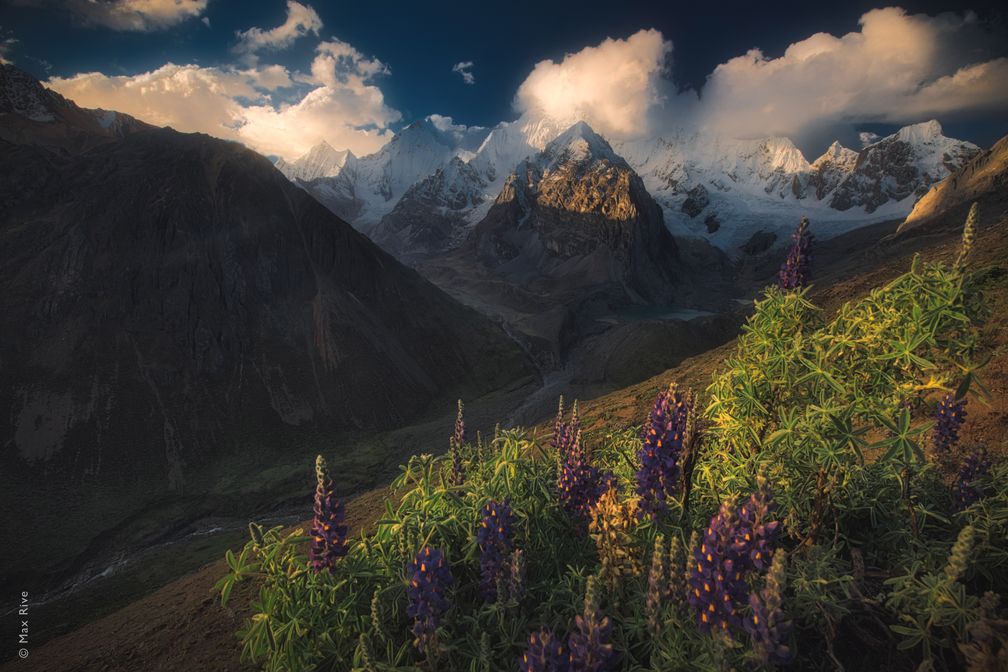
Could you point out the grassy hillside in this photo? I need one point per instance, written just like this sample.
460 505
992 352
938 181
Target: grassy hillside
182 625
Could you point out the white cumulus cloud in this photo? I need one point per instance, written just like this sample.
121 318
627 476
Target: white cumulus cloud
613 86
301 20
339 64
896 68
126 15
464 68
341 105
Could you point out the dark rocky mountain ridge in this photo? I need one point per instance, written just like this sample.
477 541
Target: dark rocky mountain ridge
170 299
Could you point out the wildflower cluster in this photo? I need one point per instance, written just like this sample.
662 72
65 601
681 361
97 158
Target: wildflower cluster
735 543
950 414
807 399
975 466
662 449
328 533
495 538
767 625
794 272
455 447
429 578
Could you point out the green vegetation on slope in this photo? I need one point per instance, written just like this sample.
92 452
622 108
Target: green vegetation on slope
797 512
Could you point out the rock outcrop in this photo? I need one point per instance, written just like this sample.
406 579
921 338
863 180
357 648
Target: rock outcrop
574 218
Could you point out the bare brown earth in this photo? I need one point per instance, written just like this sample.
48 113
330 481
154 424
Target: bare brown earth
183 627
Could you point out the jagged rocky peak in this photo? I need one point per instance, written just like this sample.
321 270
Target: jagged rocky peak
23 95
579 172
431 216
575 217
31 112
837 155
901 167
579 144
829 170
322 160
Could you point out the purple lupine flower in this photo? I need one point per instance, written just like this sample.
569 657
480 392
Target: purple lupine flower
429 577
975 466
580 484
794 272
756 533
717 573
328 533
455 447
950 414
589 646
545 653
661 448
736 542
558 426
767 624
495 538
566 435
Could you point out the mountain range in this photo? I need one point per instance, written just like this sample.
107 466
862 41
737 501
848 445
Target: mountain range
424 191
170 302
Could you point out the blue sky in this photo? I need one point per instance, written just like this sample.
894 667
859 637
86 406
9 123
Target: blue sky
393 63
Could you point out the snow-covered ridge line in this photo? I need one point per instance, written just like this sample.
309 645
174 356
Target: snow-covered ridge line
708 186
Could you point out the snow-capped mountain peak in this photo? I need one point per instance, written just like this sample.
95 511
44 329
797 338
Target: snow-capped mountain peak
781 154
924 132
578 144
320 161
901 168
712 186
837 155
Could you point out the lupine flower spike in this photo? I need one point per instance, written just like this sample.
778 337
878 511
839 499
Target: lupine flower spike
794 272
516 576
756 532
969 235
661 450
328 533
768 625
735 543
959 556
657 587
589 645
716 579
950 414
975 466
545 653
611 528
580 484
455 445
495 538
429 578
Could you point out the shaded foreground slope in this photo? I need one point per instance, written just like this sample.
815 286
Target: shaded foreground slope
848 268
169 304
